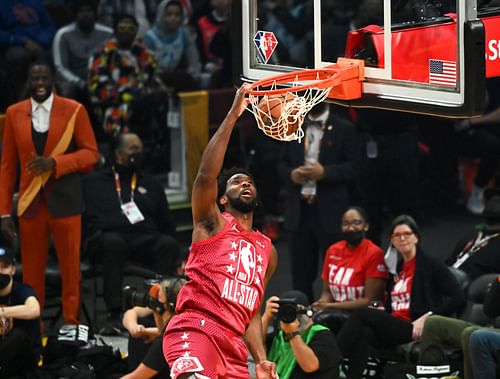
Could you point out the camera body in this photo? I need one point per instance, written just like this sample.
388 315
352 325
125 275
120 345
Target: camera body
132 297
288 311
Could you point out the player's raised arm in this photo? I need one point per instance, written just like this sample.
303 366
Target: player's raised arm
204 195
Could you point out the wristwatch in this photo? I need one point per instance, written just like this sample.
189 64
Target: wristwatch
289 336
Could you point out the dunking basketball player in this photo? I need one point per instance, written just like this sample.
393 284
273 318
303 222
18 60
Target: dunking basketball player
229 266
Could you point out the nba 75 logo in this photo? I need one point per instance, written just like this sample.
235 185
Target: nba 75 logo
245 270
265 42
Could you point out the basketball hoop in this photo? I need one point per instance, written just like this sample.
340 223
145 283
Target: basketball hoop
281 102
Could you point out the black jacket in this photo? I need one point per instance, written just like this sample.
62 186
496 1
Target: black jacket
103 212
337 155
434 288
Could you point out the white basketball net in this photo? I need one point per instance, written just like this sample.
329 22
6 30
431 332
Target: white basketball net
294 108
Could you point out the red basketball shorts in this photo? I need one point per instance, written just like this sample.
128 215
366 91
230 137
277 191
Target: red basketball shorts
194 343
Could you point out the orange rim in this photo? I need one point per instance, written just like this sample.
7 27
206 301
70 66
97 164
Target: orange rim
322 78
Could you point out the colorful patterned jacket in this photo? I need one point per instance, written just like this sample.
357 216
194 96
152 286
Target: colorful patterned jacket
116 79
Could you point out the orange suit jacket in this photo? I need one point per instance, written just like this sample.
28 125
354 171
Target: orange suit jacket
62 192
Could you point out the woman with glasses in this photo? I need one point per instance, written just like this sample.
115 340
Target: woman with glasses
420 287
354 273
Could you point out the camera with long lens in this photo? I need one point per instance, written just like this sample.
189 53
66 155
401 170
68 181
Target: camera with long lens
132 297
288 311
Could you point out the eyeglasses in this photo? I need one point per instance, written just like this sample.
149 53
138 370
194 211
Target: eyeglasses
347 224
402 234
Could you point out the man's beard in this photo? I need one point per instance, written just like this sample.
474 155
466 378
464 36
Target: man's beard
303 320
242 206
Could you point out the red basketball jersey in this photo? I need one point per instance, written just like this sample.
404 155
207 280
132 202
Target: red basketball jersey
226 275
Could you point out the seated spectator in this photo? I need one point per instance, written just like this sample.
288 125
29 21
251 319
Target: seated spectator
26 32
354 272
144 10
300 348
174 48
206 27
72 47
484 345
480 254
220 46
422 286
127 218
445 331
20 339
122 72
146 325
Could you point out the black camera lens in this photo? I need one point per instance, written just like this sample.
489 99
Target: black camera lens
134 298
287 313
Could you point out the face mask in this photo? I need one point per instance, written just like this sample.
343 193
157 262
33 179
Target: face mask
354 238
136 161
4 280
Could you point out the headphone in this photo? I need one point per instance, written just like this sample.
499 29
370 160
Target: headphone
308 312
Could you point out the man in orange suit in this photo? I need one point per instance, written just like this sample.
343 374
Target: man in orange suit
50 139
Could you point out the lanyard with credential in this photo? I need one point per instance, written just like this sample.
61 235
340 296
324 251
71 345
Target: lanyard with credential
118 186
473 247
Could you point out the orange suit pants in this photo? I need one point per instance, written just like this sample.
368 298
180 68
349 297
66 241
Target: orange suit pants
34 233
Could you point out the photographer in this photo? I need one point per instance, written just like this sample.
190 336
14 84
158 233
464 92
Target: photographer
301 349
145 322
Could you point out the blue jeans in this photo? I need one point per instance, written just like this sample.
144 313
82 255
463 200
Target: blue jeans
484 346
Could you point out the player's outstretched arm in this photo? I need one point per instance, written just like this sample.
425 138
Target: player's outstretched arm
204 195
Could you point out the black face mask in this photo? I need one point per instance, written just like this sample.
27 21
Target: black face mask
136 161
4 280
354 238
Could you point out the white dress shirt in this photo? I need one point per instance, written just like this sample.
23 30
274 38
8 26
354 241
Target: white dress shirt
40 114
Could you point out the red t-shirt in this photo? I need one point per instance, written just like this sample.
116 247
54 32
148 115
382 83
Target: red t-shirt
346 270
400 294
226 275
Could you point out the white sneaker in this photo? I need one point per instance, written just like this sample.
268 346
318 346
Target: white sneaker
475 202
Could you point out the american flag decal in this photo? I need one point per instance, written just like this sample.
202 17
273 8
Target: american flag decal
443 73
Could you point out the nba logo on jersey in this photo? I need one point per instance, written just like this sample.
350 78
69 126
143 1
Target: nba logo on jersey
265 42
246 263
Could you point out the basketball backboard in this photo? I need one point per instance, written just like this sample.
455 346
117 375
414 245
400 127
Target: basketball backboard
432 60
